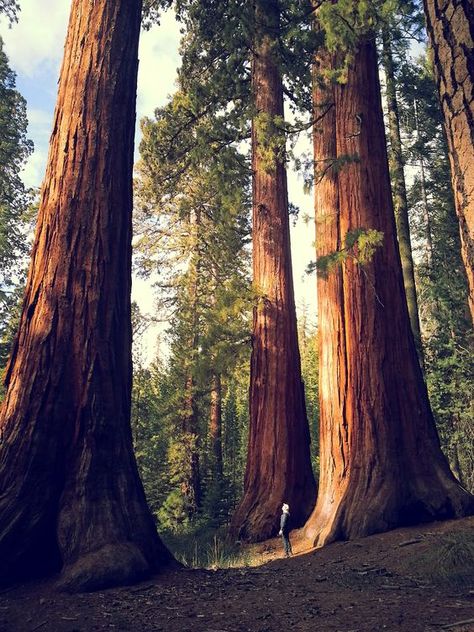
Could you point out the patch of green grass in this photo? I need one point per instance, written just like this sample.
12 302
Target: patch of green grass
448 562
207 549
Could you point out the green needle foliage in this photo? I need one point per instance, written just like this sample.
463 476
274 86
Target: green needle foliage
359 245
15 201
10 8
441 282
192 231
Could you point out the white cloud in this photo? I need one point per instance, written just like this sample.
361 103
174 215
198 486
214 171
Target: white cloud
33 172
159 60
39 130
37 41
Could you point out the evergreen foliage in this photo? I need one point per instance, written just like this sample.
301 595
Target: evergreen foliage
359 245
15 201
192 232
446 327
10 8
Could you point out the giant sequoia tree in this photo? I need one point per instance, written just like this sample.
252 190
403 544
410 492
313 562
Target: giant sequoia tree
70 494
278 461
381 465
451 32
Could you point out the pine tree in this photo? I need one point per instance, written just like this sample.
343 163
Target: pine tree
399 190
192 230
215 77
15 199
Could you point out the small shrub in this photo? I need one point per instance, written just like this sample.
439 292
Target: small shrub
449 562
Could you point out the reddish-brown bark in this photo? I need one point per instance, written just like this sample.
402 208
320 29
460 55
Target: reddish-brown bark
450 25
70 494
381 465
278 462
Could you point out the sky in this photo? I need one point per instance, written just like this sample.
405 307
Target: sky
34 47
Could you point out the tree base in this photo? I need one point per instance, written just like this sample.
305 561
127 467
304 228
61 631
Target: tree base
112 565
352 519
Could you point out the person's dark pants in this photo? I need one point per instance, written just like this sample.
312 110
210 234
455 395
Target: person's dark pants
286 544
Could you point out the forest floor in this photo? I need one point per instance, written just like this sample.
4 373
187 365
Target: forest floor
412 579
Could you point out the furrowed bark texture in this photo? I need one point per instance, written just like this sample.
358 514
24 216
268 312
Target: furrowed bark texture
400 194
450 25
381 465
278 463
70 494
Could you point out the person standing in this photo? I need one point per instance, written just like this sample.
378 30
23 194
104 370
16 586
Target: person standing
285 529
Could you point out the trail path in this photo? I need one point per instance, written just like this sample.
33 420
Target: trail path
367 585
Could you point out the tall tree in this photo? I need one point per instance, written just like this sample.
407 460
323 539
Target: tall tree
399 191
70 494
381 465
278 462
444 310
15 201
450 28
192 231
15 148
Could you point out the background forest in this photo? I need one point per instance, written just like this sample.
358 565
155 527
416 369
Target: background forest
192 225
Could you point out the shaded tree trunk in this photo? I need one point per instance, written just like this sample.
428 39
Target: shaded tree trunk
70 493
424 196
278 463
450 26
191 485
381 462
400 194
215 425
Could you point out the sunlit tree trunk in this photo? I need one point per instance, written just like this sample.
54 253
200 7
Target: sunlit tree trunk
381 465
400 194
278 463
70 494
450 26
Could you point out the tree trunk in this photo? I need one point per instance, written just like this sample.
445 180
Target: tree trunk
400 194
424 196
215 425
381 462
70 493
278 462
191 484
450 25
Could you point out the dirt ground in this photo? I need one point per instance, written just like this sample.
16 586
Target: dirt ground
359 586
